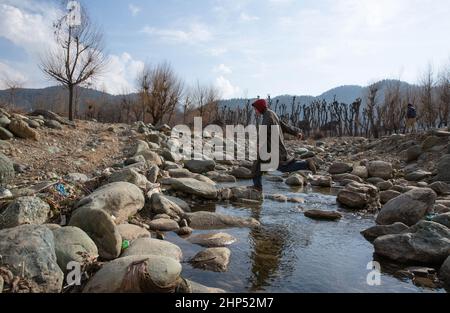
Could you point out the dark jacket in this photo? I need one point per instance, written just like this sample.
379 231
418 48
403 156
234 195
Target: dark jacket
270 118
411 112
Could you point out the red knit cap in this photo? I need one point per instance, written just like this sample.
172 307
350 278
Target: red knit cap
260 105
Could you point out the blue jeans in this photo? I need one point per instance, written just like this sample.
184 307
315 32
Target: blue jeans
286 168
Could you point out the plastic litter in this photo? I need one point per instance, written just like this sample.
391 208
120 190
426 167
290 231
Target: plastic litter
61 189
125 244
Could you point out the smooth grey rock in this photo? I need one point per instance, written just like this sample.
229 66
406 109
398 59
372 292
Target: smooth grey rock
212 259
132 232
374 232
380 169
425 242
210 220
200 166
214 240
25 210
195 187
101 228
29 250
120 199
408 208
70 244
150 246
136 274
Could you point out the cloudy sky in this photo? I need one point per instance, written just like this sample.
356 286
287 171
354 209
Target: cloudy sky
244 47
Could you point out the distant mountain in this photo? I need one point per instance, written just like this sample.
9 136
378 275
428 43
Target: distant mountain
29 99
345 94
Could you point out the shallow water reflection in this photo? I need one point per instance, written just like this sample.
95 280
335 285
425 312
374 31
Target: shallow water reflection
291 253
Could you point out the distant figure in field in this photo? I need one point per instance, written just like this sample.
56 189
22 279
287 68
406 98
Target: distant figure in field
411 117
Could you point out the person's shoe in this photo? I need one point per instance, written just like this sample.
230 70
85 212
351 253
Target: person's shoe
312 166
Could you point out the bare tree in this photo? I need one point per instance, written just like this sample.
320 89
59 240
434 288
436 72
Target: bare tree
444 98
144 85
427 84
166 90
79 54
373 90
13 85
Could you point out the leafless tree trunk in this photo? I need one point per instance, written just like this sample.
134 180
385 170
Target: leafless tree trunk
78 58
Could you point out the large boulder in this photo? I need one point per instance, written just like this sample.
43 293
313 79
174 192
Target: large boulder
5 134
380 169
4 121
101 228
71 243
163 224
413 153
200 166
212 259
29 251
360 171
138 147
425 242
221 177
195 187
430 142
129 175
323 215
152 174
238 193
210 220
388 195
132 232
374 232
21 129
136 274
214 240
162 205
442 169
417 175
150 246
7 172
120 199
49 115
358 196
295 180
151 157
321 181
440 188
408 208
443 219
242 173
53 124
25 210
340 168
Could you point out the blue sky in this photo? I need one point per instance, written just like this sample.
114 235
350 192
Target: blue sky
244 47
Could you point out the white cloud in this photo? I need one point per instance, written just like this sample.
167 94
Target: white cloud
215 52
280 2
31 30
134 9
226 88
121 74
10 73
29 26
248 18
222 69
195 33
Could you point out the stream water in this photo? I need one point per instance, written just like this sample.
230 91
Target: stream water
292 253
